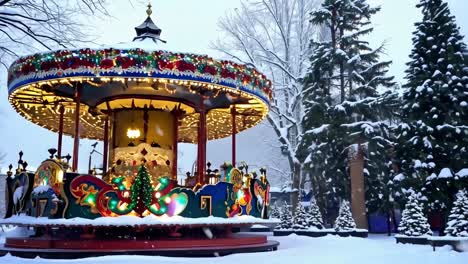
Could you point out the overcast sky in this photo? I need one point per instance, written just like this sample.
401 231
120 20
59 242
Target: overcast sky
190 26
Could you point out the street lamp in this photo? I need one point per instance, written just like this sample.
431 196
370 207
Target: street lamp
90 156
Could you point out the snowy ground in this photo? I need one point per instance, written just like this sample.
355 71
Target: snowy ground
296 250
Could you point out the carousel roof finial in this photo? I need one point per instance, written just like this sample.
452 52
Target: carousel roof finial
149 11
148 29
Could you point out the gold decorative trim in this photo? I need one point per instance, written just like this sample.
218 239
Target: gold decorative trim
203 200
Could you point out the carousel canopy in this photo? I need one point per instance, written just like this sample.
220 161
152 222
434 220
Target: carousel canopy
137 75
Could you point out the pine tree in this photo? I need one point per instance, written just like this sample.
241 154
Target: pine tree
341 102
285 217
367 111
275 212
315 219
300 218
345 220
317 154
457 224
413 222
433 132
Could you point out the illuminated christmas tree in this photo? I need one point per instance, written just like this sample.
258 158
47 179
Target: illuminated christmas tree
141 191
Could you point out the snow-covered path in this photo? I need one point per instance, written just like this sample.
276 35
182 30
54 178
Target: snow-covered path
377 249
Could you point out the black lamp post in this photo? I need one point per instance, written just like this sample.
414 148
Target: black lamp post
91 155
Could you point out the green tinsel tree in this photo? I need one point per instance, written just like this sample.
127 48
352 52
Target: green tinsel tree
345 220
141 191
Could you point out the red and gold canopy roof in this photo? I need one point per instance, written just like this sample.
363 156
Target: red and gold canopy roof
135 75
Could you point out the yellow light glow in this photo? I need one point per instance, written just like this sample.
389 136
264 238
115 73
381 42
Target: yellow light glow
253 111
123 206
133 133
60 176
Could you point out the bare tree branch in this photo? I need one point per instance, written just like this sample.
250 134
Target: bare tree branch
32 25
274 35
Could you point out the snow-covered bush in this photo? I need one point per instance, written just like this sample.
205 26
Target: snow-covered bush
345 220
275 211
285 217
457 224
300 218
315 219
413 222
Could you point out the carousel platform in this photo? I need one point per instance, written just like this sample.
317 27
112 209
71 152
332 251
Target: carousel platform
129 235
54 248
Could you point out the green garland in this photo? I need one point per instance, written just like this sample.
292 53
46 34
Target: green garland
148 61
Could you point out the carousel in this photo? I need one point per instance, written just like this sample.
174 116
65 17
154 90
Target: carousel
140 101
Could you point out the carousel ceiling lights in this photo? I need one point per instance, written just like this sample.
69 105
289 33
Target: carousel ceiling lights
133 133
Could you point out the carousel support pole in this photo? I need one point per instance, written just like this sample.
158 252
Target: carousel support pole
175 144
76 142
60 132
106 146
198 152
233 113
201 146
204 142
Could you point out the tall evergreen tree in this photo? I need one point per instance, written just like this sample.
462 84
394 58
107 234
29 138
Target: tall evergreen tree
342 105
317 100
433 134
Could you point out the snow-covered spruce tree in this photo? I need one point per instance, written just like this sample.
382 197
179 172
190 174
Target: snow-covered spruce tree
413 222
319 145
341 102
300 218
367 111
433 133
285 217
275 211
345 220
315 219
457 224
